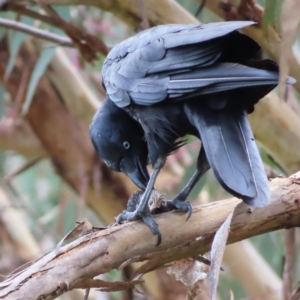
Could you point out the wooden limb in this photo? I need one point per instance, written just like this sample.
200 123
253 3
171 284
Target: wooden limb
277 127
16 135
26 247
42 34
97 253
76 34
73 89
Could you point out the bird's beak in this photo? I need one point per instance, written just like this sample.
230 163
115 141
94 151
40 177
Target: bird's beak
137 171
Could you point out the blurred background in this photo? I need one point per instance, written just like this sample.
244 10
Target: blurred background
50 177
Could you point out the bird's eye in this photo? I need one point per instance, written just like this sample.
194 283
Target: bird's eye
126 145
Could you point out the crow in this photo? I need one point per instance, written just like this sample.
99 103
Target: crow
170 81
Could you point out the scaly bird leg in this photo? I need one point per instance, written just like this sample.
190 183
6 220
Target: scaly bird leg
178 201
143 211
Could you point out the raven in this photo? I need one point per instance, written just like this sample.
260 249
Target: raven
175 80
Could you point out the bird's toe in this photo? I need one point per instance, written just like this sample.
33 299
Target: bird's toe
126 216
145 216
180 206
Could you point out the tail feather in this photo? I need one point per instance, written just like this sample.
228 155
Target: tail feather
259 174
232 153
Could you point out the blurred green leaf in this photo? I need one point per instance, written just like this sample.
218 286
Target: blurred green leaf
69 219
228 282
2 100
269 14
15 40
39 69
2 32
278 13
187 175
268 160
63 11
2 162
271 247
8 15
189 5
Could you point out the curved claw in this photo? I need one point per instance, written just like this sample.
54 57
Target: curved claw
180 206
125 216
145 216
190 210
149 221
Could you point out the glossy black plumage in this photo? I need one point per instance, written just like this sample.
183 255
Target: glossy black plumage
174 80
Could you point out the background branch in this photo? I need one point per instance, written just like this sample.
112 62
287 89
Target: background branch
42 34
268 39
99 252
16 135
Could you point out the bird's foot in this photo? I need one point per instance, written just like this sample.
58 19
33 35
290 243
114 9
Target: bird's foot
145 216
180 205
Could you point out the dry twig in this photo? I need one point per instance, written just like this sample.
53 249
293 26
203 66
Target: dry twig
48 36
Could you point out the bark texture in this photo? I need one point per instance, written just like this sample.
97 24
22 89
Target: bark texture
76 264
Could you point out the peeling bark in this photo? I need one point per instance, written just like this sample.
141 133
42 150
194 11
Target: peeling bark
77 263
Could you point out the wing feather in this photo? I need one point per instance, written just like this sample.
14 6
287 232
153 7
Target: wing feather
232 152
164 50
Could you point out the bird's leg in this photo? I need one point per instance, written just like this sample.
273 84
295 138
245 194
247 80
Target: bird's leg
178 201
143 211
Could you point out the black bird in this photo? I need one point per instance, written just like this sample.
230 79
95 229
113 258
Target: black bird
173 80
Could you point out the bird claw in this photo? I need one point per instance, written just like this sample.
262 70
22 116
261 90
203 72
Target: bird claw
180 206
145 216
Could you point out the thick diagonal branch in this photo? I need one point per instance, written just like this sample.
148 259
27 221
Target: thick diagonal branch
102 251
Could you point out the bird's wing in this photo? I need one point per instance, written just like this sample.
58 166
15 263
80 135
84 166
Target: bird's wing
142 67
232 153
219 77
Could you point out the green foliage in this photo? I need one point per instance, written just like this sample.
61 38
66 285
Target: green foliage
15 39
39 69
189 171
272 13
227 283
2 101
271 247
63 11
189 5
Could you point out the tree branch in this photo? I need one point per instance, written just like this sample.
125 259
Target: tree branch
27 247
48 36
16 135
87 44
277 127
77 263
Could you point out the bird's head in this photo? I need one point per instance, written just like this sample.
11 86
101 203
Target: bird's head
119 141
